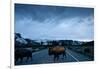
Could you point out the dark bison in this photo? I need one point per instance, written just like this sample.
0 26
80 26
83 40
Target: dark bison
56 51
20 53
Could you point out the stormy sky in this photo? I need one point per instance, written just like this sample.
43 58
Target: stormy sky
39 22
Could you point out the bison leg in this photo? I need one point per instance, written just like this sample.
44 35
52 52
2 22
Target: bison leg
31 58
54 57
27 59
57 57
21 59
64 55
16 59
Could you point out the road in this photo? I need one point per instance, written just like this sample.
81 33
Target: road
42 57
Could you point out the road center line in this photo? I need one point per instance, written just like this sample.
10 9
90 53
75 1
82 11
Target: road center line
73 56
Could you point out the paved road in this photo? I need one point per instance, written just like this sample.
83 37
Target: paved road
42 57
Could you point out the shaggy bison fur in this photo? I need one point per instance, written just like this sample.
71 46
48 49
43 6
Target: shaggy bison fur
20 53
56 51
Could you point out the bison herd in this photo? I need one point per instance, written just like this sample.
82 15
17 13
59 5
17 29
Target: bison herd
21 53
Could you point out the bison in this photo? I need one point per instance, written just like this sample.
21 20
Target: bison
20 53
56 51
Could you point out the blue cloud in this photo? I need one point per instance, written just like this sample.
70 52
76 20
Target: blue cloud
54 22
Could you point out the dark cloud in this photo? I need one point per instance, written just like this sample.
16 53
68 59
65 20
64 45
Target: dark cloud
54 22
